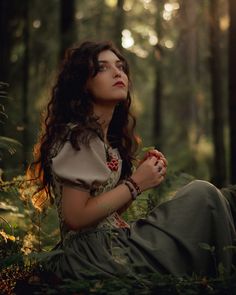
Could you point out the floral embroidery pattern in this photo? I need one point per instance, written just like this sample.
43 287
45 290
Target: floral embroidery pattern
111 159
113 220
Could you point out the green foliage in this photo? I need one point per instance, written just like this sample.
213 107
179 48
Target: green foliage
3 96
149 199
19 268
6 143
142 284
186 105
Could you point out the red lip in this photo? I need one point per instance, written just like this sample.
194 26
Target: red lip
119 83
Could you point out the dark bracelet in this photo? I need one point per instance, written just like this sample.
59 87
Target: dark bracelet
135 185
132 189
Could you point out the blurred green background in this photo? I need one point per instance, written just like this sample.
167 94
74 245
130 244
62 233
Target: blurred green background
178 53
182 59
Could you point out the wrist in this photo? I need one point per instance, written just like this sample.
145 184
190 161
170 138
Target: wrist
133 187
138 182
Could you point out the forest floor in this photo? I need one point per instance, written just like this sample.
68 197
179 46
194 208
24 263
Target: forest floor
24 232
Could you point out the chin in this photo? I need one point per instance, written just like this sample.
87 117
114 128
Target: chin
122 98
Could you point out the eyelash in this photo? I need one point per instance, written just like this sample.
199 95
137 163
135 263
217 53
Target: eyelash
102 68
121 66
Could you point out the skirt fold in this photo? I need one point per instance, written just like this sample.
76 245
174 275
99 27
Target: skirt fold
188 234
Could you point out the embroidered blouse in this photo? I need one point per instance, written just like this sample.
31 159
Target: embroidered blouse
87 169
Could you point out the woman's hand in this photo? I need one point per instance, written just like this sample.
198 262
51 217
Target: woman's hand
151 170
155 153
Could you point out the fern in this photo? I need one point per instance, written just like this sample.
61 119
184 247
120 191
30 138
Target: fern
6 143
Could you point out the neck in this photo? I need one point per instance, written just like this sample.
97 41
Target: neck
104 113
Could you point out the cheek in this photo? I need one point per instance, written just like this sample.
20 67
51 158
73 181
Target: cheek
125 78
93 86
98 89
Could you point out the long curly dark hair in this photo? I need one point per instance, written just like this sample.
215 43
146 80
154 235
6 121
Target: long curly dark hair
71 105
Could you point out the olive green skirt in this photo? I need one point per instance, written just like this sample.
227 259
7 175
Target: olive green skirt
192 233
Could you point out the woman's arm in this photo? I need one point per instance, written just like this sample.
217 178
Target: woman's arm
80 210
125 207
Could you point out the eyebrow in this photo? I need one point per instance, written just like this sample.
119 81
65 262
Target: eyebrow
106 61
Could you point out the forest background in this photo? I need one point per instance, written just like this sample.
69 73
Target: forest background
182 58
179 52
182 55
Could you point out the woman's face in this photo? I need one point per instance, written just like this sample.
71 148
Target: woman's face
110 85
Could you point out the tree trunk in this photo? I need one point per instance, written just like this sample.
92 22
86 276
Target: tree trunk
158 88
232 89
25 115
187 112
219 161
67 25
5 46
119 24
4 39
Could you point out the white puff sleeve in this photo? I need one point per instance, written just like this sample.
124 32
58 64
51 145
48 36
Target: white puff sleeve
85 169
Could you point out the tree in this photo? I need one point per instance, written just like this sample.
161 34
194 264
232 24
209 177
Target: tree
232 88
158 88
184 99
67 25
25 91
219 161
5 44
4 39
119 23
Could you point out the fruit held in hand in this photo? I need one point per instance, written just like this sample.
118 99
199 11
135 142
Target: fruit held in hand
150 154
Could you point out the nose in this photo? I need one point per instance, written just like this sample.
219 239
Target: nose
116 72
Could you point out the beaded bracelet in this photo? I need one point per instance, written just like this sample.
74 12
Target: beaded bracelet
135 185
132 189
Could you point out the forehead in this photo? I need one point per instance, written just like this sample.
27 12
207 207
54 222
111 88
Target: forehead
107 56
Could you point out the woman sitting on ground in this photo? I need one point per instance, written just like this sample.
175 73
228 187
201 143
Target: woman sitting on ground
85 161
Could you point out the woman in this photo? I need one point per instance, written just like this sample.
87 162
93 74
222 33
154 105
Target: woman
84 160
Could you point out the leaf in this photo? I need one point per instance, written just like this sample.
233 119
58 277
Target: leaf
147 148
3 114
3 84
230 247
6 207
221 269
13 259
9 144
6 236
144 150
207 247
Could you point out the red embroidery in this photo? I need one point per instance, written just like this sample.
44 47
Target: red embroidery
113 164
120 222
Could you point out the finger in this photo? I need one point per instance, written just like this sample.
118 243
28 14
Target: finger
163 172
159 166
162 156
164 161
153 160
148 155
155 153
159 155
